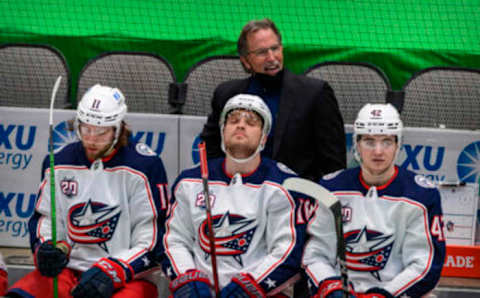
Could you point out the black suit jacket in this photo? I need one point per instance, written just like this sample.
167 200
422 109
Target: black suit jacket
309 135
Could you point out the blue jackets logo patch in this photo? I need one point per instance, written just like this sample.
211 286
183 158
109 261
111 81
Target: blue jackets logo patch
233 235
367 250
92 222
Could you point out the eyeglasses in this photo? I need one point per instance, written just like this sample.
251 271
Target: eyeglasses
371 144
250 117
263 52
93 131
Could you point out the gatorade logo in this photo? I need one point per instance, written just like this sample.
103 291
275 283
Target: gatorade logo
468 163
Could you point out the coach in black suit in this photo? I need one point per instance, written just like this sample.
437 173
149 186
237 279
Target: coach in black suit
308 132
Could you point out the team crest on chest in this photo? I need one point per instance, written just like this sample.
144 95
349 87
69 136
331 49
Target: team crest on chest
69 186
233 235
92 223
368 250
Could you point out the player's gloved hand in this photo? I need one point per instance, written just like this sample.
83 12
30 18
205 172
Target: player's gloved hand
102 279
191 284
51 260
375 293
333 288
242 285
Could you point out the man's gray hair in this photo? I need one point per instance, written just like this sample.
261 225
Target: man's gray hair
254 26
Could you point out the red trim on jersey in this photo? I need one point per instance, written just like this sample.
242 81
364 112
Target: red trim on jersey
348 193
105 158
42 185
427 229
150 198
243 175
381 186
311 275
292 230
130 268
167 231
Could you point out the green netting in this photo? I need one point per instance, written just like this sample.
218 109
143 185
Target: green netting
399 36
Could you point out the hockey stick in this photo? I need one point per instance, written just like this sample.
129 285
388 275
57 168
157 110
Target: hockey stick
52 177
323 196
211 234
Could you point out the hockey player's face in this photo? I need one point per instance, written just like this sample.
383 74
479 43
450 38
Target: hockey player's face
265 52
242 133
96 139
377 153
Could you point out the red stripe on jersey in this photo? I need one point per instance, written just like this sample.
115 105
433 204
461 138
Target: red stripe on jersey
292 230
429 239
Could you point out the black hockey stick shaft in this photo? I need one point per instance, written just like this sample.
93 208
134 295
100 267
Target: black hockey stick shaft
342 260
326 198
211 234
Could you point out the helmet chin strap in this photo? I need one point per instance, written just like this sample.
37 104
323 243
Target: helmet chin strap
244 160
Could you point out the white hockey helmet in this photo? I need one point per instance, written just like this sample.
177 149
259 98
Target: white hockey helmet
377 119
102 106
251 103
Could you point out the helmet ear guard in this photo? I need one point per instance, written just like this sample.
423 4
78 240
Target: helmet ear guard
251 103
102 106
377 119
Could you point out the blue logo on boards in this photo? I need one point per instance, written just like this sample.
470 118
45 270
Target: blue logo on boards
468 163
15 210
195 155
62 135
16 141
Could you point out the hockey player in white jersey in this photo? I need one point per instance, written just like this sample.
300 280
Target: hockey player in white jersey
111 205
257 241
392 219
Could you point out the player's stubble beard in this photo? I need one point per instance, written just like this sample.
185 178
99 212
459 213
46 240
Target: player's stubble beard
240 150
107 149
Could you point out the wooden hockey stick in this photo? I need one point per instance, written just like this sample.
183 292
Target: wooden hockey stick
52 177
323 196
211 234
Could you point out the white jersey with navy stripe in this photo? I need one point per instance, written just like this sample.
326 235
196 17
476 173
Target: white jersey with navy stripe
114 207
393 234
254 224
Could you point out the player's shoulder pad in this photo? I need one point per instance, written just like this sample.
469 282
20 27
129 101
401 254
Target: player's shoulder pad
332 175
144 149
423 181
282 167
